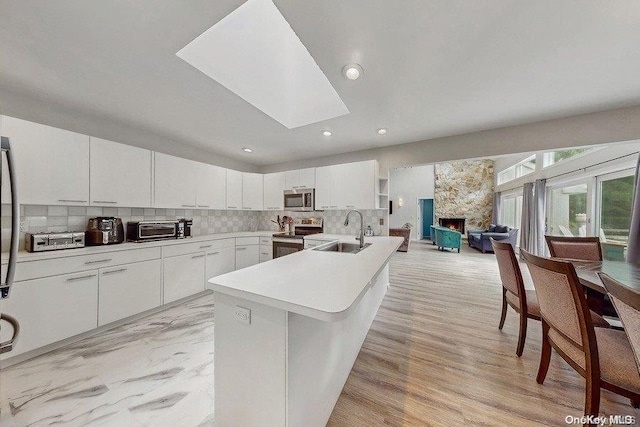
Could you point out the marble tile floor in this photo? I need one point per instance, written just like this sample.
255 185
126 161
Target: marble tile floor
156 371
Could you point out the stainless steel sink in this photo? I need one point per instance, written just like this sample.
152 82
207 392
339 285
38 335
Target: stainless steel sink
347 248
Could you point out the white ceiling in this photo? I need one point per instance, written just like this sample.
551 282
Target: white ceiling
431 68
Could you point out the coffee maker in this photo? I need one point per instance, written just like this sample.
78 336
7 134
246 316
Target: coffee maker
104 230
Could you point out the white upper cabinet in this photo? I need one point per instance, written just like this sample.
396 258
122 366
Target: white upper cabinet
300 178
52 165
274 185
347 186
120 174
211 187
174 182
234 189
252 191
361 185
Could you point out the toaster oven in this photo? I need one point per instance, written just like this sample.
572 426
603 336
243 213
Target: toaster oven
142 231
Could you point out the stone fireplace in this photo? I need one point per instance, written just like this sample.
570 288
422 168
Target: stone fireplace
456 224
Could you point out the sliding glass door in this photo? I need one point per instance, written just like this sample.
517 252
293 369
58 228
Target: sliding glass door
614 212
511 211
570 209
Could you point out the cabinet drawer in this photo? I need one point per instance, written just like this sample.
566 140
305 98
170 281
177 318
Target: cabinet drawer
192 247
265 240
183 276
51 267
265 255
241 241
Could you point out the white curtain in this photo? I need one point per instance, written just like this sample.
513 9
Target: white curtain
633 246
533 219
497 205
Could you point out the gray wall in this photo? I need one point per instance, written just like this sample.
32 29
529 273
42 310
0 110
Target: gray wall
410 184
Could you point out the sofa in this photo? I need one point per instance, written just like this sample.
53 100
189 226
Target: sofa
446 238
480 239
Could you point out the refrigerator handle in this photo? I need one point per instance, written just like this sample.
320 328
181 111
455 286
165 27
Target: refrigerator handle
15 220
8 345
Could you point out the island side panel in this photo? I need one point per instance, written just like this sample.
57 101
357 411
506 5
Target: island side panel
321 355
250 362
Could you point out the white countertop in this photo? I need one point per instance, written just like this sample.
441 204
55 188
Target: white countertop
88 250
321 285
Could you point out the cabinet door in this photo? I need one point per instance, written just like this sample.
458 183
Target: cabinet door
307 178
52 165
338 186
174 182
274 185
120 174
129 289
247 255
266 253
51 309
252 191
292 179
220 261
360 186
183 276
234 189
211 187
323 187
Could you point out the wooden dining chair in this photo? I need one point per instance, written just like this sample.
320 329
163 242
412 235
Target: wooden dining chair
627 304
524 302
587 249
583 248
602 356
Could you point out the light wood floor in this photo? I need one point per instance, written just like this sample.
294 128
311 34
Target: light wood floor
435 356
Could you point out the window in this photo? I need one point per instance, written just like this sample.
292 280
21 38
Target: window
511 212
522 168
554 157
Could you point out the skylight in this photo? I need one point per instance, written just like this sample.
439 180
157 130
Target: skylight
255 53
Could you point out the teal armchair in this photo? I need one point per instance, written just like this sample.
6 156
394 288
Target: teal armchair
447 238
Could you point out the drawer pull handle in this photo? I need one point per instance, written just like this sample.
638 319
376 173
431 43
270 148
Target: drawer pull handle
188 206
98 261
72 201
88 276
246 207
205 246
265 253
213 253
197 256
241 249
232 207
120 270
105 201
203 206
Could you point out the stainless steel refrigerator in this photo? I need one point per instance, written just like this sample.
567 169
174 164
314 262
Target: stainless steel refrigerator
7 282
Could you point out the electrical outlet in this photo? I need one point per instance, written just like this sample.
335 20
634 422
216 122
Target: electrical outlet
243 315
381 221
23 226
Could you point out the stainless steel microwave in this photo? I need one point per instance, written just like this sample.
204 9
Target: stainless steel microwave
301 200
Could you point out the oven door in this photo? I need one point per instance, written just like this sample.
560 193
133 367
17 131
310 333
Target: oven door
157 231
282 247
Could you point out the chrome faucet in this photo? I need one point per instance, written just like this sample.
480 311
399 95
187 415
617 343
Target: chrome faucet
346 222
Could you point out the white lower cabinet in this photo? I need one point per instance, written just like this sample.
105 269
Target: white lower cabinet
247 255
129 289
51 309
183 276
220 261
266 248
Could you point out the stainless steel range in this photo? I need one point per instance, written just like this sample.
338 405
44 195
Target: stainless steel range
289 242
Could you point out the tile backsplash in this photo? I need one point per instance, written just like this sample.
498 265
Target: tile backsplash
40 218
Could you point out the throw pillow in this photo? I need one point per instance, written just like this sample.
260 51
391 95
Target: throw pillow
492 228
501 229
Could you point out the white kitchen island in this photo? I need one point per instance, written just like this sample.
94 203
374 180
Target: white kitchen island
309 315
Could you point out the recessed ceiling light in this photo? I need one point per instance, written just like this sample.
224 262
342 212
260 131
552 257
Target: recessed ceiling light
247 150
326 133
352 71
382 131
